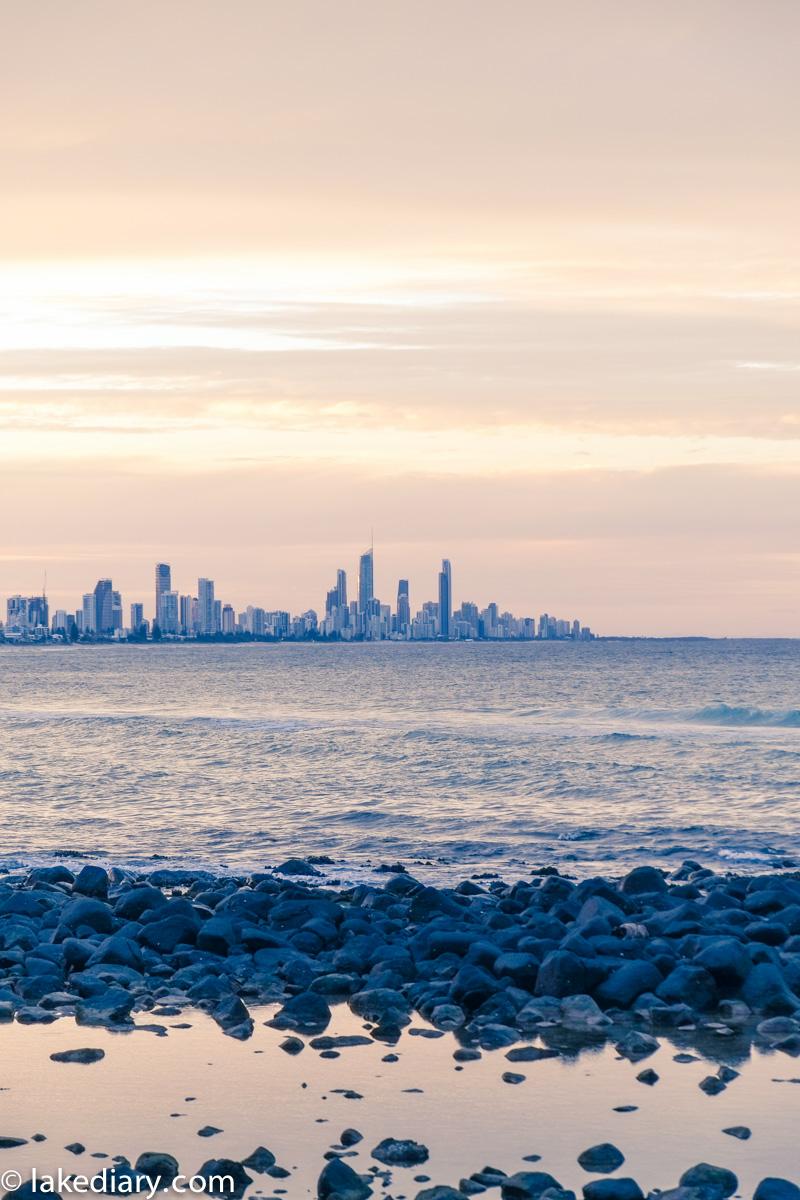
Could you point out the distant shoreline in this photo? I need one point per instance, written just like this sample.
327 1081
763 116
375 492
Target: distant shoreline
104 643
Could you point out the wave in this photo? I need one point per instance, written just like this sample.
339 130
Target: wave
730 714
628 737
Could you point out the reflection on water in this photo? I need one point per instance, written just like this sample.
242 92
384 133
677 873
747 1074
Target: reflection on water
136 1099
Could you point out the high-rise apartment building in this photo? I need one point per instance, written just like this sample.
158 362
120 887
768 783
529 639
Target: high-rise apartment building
366 584
103 606
205 604
445 599
163 584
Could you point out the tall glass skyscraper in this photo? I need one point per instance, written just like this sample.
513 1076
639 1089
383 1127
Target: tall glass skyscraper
163 584
205 605
366 587
445 598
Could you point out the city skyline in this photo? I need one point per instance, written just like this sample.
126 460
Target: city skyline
177 614
522 287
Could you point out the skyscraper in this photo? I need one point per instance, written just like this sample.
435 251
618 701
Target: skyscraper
366 588
137 617
163 584
403 606
205 604
103 606
341 589
445 598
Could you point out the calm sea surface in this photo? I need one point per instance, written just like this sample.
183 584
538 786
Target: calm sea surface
468 757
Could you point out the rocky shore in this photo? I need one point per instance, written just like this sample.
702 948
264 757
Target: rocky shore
500 966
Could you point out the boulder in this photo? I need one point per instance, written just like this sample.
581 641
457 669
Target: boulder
601 1159
400 1152
561 974
338 1180
715 1182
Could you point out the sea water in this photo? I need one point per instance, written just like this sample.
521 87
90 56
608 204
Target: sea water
452 758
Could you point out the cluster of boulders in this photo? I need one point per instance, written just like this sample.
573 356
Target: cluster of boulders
229 1179
488 960
339 1181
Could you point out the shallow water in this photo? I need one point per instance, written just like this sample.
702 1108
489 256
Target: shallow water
479 755
135 1100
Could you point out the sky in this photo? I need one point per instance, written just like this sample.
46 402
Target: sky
513 284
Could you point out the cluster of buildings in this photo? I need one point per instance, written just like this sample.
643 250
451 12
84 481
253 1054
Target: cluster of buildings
175 615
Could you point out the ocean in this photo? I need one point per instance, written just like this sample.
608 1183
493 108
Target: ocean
452 759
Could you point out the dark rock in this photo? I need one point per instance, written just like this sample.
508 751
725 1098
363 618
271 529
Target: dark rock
635 1046
624 985
648 1076
741 1132
260 1160
84 1055
601 1159
689 984
307 1012
350 1137
776 1189
292 1045
208 1131
643 881
297 866
338 1181
527 1185
766 991
92 881
712 1085
561 974
159 1168
397 1152
224 1177
612 1189
713 1181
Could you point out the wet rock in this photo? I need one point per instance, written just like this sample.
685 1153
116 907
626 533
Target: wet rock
76 1148
691 985
350 1137
297 866
440 1192
648 1077
292 1045
224 1177
92 881
740 1132
643 881
261 1160
338 1181
527 1185
561 974
636 1046
400 1152
109 1007
11 1143
307 1012
581 1012
766 991
208 1131
512 1077
86 1054
159 1168
774 1188
612 1189
713 1181
624 985
712 1085
531 1053
601 1159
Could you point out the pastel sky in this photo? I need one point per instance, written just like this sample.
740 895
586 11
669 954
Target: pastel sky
514 283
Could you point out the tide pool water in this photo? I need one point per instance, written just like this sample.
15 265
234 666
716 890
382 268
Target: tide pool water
451 758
